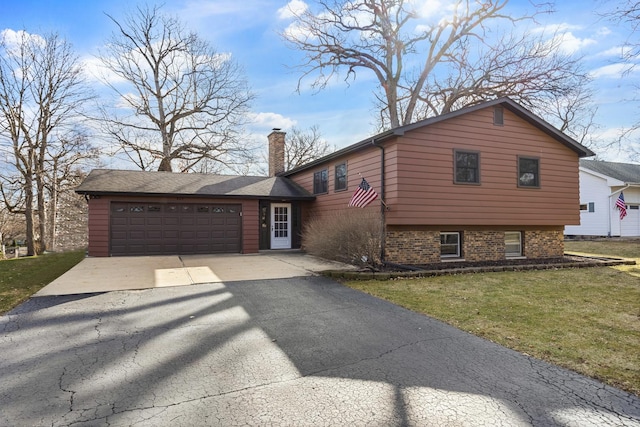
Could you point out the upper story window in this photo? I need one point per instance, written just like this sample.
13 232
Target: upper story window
321 182
529 172
466 167
341 177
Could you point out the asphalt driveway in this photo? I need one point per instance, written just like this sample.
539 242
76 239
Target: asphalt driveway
300 351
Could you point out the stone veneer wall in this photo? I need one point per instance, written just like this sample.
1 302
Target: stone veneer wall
483 245
412 246
543 244
423 246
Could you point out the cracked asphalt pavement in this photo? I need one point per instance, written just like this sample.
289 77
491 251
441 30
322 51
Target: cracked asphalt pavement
301 352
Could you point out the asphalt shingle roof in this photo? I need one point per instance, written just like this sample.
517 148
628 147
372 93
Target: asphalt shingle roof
625 172
505 102
110 181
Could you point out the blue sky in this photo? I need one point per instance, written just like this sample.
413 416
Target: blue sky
248 29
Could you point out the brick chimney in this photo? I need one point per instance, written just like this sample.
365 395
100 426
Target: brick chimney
276 152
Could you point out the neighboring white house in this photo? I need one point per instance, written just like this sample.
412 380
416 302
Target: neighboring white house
600 186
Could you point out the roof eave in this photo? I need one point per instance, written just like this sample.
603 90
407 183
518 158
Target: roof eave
550 130
506 102
193 196
365 143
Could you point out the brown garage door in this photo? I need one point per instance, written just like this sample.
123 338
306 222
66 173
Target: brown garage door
174 228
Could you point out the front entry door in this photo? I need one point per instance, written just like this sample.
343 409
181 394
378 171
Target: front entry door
280 226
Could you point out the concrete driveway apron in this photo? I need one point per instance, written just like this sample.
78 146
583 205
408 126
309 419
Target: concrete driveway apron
107 274
302 351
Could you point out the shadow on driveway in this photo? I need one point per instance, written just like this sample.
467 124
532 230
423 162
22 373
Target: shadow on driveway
300 351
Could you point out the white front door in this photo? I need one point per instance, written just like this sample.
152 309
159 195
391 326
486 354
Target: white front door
280 226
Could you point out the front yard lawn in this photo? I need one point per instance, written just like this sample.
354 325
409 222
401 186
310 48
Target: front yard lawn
586 319
22 277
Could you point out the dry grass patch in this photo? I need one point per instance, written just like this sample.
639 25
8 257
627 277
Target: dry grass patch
587 320
627 248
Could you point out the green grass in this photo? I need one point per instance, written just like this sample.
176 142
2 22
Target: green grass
587 320
20 278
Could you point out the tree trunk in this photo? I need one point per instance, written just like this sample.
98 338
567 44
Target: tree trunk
53 215
42 214
165 165
28 214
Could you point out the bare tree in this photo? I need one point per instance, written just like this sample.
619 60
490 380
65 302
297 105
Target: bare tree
426 67
180 100
304 146
530 69
381 36
627 12
66 162
11 227
42 91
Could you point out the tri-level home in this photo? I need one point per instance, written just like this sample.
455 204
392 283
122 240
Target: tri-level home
487 182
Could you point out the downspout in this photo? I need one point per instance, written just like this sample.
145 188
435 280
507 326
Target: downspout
383 206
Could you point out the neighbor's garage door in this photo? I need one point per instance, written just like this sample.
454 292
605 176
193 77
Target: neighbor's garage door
177 228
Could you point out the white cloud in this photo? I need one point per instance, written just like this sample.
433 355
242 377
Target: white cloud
271 120
610 71
572 44
556 28
296 32
293 8
95 70
428 8
127 100
13 39
616 51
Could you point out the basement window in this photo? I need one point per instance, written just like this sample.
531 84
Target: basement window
512 244
450 245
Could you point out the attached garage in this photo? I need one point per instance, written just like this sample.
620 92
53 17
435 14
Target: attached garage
164 213
175 228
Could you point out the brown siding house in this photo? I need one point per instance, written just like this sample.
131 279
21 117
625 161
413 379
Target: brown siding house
486 182
464 185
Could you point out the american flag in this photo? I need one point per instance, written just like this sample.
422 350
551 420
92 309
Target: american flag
622 207
364 195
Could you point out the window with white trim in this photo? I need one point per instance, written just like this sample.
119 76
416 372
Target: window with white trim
513 243
450 245
589 207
